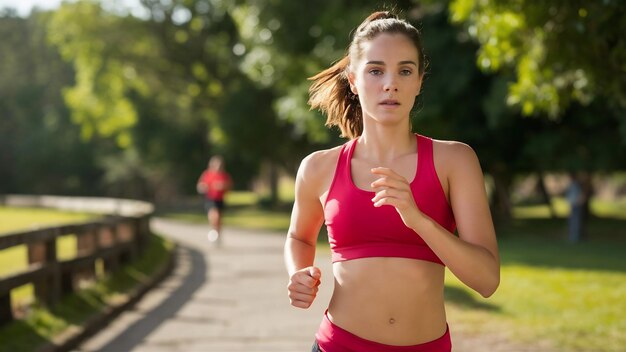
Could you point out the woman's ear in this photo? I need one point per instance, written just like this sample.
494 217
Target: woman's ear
352 83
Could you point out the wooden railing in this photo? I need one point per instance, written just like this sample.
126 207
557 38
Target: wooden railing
116 238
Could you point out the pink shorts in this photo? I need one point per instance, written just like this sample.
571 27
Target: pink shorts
332 338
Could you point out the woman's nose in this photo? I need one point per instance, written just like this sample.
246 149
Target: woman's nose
390 85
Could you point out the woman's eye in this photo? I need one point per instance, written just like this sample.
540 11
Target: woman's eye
376 72
406 72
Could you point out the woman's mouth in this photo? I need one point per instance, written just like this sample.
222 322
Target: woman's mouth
390 102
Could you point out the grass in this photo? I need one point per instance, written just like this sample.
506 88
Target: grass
553 294
23 219
249 218
42 324
602 208
242 211
568 297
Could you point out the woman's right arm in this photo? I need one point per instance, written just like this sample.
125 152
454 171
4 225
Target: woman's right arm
307 217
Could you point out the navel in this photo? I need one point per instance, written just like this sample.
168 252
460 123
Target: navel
392 321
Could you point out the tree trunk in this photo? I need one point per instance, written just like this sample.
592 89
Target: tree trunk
273 180
541 186
501 201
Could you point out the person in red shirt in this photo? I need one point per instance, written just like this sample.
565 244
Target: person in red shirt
214 183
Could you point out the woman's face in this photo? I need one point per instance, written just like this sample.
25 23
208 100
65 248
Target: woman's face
386 77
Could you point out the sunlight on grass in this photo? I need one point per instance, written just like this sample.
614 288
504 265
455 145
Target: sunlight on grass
22 296
241 198
259 219
615 209
598 207
66 247
248 218
573 307
242 211
23 219
541 210
13 259
286 189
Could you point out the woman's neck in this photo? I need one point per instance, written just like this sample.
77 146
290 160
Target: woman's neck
384 144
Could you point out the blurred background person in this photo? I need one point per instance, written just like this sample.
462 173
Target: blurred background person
214 183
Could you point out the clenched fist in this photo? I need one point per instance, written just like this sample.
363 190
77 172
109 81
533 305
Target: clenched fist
303 286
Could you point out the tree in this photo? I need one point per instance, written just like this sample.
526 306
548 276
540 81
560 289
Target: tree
40 148
565 61
164 86
561 51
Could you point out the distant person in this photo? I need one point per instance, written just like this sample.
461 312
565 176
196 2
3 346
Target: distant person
575 198
391 200
214 183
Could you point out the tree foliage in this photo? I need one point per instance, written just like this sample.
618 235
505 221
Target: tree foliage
561 51
40 148
163 86
154 93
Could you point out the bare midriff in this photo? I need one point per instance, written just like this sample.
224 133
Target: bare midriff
394 301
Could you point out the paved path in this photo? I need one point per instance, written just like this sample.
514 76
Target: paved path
233 298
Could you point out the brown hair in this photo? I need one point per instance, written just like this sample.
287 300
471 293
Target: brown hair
330 91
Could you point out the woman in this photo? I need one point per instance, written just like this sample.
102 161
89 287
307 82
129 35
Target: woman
391 201
214 183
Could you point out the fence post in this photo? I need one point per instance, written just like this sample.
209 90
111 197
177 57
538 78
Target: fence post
111 263
6 313
126 235
47 289
86 245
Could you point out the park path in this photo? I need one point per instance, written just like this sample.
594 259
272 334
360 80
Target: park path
231 298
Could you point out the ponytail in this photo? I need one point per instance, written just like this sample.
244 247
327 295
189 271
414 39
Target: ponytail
330 92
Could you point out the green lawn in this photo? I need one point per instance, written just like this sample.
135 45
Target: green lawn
571 296
243 212
23 219
250 218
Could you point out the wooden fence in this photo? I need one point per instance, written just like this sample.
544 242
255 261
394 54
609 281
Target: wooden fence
116 238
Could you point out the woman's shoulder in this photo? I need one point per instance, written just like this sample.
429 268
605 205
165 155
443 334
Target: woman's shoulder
318 168
316 171
451 147
450 154
319 162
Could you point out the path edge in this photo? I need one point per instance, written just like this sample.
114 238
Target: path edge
71 338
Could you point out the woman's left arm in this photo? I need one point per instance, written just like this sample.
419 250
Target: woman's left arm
473 256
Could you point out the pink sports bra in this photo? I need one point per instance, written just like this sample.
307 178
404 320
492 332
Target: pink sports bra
356 229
